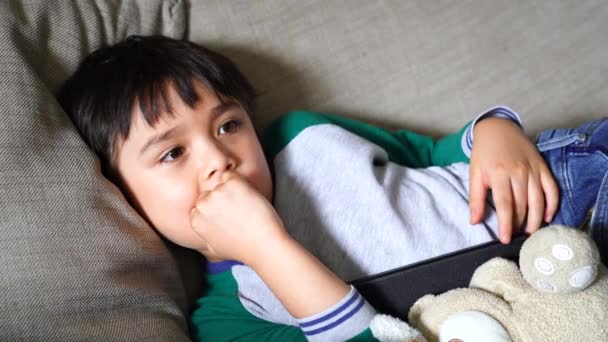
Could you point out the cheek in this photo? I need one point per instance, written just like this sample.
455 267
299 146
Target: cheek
165 201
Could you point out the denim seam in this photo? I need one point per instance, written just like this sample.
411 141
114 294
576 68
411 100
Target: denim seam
598 224
564 161
566 178
560 142
593 126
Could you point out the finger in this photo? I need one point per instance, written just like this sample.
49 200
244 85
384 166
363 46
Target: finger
202 204
196 224
227 175
201 182
477 197
519 186
503 198
536 205
194 219
551 191
202 196
229 180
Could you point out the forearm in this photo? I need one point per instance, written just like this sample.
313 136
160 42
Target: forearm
299 280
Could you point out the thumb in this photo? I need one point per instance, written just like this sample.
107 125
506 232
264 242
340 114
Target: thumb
201 182
208 182
477 197
228 175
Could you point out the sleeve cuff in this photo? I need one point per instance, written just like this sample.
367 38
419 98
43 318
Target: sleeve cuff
499 112
340 322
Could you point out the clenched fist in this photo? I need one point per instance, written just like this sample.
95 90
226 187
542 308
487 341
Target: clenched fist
235 220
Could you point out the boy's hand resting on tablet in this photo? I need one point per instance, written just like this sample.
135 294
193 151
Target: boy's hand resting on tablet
234 218
505 160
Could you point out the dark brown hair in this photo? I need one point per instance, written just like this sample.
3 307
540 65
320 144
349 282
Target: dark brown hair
101 94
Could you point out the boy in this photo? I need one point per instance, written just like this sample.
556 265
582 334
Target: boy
171 123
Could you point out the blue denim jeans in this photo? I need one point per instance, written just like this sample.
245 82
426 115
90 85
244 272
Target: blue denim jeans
578 158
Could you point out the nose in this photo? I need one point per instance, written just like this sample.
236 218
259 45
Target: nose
212 164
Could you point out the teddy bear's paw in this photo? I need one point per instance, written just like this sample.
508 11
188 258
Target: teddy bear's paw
579 278
559 260
583 277
386 328
472 326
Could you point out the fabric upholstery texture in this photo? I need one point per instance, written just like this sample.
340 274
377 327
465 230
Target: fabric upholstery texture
429 66
77 263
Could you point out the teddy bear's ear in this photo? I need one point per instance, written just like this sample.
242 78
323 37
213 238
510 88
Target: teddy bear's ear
430 312
498 276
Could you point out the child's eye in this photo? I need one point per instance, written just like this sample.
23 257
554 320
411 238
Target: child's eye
229 127
172 155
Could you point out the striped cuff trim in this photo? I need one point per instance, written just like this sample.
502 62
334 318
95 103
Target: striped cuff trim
220 266
499 112
348 307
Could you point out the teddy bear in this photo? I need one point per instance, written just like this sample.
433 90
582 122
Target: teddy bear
559 293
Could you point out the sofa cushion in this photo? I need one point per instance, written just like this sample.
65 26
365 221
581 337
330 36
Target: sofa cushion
77 262
424 65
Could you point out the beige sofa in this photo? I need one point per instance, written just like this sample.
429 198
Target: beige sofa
79 264
425 65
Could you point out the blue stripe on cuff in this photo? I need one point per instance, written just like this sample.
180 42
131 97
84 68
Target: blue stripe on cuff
338 321
333 313
221 266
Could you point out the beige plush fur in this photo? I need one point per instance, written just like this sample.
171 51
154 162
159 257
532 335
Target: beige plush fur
527 312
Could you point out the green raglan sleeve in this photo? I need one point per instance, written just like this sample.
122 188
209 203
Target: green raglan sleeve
219 316
403 147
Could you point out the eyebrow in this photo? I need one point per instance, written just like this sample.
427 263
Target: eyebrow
159 138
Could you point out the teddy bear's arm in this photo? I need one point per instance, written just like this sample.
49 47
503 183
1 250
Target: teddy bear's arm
429 312
500 277
473 326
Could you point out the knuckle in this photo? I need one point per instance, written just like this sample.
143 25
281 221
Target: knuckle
500 167
520 169
504 201
537 205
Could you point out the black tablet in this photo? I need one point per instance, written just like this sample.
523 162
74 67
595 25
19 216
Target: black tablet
394 292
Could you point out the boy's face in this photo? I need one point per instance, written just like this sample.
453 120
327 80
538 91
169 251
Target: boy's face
160 166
